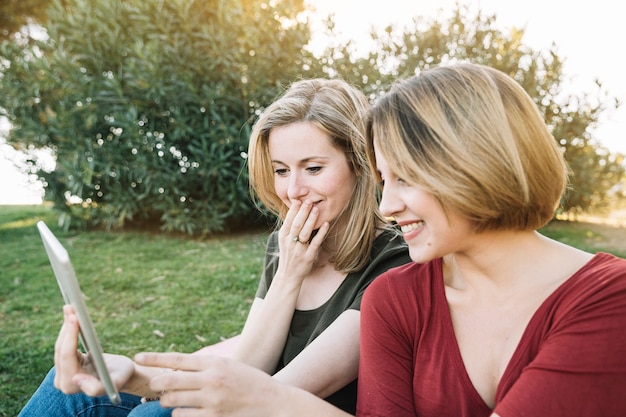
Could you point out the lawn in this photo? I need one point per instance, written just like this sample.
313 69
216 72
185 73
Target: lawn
146 291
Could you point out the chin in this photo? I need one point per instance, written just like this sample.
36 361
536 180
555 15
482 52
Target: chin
419 256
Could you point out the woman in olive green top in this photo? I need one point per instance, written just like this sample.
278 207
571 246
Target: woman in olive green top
388 251
308 166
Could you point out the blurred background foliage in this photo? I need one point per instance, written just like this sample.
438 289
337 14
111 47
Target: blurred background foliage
147 105
15 14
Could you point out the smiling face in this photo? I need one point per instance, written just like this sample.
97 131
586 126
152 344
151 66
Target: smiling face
307 166
428 229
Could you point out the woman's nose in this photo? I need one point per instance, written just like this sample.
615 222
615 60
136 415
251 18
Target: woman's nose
390 205
297 187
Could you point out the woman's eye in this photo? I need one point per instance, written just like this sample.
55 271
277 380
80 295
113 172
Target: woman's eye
314 169
280 171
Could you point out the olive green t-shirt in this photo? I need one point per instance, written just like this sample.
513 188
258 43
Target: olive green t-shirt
388 251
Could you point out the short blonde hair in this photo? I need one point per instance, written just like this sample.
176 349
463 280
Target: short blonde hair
340 111
471 136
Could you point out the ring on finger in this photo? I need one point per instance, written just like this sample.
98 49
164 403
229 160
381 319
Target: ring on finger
297 239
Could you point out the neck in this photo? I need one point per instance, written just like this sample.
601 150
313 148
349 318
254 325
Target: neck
496 259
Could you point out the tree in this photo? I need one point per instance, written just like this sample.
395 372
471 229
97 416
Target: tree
147 105
15 14
473 36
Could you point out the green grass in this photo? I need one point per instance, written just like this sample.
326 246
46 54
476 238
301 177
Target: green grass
591 237
145 291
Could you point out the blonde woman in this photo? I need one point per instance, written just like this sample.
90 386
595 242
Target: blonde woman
308 165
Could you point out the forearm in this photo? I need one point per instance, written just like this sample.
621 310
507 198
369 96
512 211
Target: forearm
330 362
323 379
265 332
292 401
230 388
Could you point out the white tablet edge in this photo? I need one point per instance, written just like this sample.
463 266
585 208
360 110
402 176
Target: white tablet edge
72 294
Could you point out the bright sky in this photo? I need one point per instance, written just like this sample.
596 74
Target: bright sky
589 36
14 186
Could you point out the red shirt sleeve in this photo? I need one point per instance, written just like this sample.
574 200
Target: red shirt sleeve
386 365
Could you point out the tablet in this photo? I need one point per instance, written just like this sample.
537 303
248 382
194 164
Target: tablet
66 278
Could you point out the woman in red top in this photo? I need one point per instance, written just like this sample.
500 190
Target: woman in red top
492 318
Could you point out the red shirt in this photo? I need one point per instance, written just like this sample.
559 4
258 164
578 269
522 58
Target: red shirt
571 359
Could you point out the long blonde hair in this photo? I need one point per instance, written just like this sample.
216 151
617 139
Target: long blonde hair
339 110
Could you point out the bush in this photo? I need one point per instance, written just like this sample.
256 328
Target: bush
148 104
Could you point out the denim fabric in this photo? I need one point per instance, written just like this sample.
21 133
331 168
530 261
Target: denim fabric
49 401
150 409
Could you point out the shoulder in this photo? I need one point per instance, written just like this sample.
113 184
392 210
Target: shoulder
597 290
608 264
603 273
390 238
388 251
404 296
389 243
411 274
411 281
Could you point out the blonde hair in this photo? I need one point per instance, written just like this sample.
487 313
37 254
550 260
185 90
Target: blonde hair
471 136
340 111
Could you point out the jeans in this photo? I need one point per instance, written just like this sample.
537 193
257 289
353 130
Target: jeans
49 401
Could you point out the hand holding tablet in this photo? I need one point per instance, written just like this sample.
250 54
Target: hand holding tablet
72 294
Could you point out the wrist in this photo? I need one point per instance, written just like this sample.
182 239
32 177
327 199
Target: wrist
287 283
